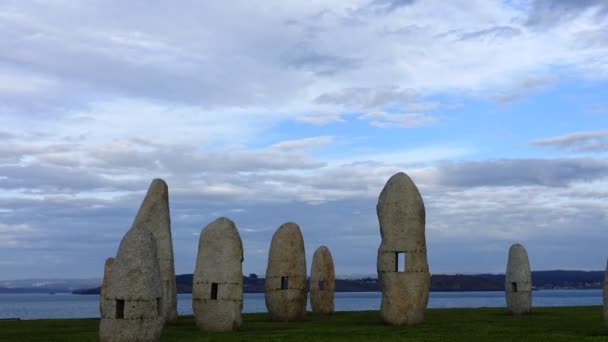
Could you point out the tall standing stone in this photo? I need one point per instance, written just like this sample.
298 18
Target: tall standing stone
154 216
217 289
322 282
403 269
132 309
285 285
107 269
606 297
518 281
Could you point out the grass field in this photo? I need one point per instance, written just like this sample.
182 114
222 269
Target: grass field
544 324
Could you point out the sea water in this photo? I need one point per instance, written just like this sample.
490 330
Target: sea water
63 305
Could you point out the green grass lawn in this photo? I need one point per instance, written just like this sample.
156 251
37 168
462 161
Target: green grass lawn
544 324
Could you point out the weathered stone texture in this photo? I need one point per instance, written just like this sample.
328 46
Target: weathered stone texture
606 297
133 303
286 266
518 281
322 282
154 216
107 269
405 291
217 289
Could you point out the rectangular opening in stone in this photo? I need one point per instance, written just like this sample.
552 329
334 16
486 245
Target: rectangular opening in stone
214 291
514 286
159 309
120 308
400 261
284 283
321 285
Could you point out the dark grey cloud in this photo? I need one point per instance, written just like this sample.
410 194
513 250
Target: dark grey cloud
303 57
547 13
592 141
521 172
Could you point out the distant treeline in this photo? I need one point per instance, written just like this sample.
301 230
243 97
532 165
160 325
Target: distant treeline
439 282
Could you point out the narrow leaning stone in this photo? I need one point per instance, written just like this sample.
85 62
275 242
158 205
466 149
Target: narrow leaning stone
403 269
154 216
133 301
217 289
107 269
518 281
285 285
322 282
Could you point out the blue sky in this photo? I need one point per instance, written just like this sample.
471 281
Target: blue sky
300 111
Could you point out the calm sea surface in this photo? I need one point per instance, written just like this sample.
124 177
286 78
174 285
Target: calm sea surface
35 306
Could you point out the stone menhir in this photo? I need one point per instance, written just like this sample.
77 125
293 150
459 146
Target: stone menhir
403 269
518 281
107 269
217 289
606 297
322 282
285 285
154 216
132 309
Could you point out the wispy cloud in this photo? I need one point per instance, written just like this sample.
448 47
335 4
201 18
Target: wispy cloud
392 120
591 141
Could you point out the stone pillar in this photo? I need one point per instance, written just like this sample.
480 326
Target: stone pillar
154 216
518 281
104 284
132 308
285 285
403 269
217 289
322 282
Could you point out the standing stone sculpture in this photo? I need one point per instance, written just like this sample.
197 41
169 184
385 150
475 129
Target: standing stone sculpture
154 216
518 281
606 297
217 289
285 285
403 269
132 308
322 282
107 269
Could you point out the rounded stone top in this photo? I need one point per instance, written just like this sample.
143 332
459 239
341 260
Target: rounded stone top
158 187
517 249
401 211
398 188
518 265
223 233
288 231
323 250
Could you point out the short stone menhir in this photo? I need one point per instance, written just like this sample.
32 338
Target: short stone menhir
518 281
322 282
403 269
132 308
285 285
217 289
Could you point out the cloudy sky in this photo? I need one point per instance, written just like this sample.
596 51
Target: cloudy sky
300 111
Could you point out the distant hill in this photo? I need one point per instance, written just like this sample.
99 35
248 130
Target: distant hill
439 282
